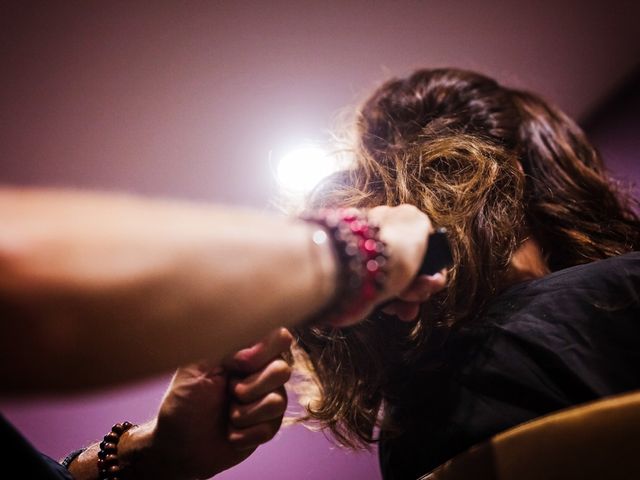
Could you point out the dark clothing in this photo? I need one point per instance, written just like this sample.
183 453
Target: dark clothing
543 345
18 455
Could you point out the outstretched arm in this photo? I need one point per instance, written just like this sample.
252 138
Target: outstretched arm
97 288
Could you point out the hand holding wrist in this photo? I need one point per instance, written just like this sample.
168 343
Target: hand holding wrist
378 253
360 257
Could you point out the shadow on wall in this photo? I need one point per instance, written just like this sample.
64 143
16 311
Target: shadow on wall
615 130
58 426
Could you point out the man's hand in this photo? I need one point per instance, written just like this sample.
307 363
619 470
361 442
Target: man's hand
405 230
213 418
406 306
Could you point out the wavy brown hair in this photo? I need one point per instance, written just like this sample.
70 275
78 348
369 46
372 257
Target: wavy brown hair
494 166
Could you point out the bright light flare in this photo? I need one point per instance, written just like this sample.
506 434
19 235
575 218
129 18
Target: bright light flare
302 169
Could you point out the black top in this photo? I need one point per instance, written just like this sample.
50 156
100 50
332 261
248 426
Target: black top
19 456
543 345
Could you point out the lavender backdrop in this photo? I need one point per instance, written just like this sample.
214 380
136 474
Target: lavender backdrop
188 101
615 129
59 425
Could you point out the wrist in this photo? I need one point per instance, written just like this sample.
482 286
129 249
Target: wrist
325 261
141 456
359 261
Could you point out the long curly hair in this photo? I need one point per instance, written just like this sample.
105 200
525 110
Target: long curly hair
493 165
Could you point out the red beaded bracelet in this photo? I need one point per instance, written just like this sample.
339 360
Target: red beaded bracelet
362 259
108 468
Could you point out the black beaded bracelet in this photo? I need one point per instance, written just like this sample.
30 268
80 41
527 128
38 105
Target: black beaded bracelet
66 461
108 467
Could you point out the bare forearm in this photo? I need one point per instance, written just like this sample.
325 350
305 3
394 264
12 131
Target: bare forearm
136 456
98 288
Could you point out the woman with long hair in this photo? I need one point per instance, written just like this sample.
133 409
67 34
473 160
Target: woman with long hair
542 302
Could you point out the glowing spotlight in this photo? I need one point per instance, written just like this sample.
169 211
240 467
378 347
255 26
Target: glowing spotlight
301 170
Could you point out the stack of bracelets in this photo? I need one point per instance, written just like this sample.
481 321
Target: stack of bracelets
361 255
108 468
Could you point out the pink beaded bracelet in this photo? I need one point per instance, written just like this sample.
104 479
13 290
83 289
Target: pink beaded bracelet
361 255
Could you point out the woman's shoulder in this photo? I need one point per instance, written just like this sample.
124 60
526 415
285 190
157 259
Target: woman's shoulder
582 319
564 339
625 266
599 284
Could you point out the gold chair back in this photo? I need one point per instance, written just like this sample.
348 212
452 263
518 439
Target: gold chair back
596 441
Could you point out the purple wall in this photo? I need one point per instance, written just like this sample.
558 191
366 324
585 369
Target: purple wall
188 102
59 425
615 130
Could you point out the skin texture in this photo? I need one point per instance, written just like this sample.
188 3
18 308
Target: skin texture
528 262
166 282
407 305
400 222
211 417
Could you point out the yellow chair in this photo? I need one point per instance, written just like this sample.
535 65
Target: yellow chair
595 441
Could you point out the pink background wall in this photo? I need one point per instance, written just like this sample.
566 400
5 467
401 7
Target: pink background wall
615 129
190 100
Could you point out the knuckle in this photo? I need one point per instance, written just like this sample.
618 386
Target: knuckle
241 391
281 370
286 339
235 437
236 413
241 441
253 436
266 432
244 361
275 401
278 402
